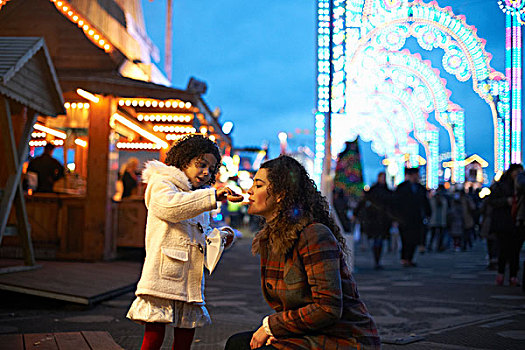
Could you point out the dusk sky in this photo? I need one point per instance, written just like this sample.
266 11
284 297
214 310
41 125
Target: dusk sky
259 61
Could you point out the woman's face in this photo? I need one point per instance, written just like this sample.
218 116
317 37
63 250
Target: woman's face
200 169
261 202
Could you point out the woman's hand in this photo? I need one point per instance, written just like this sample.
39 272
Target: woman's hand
259 338
271 340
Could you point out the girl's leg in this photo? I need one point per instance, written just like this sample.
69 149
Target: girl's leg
153 336
182 338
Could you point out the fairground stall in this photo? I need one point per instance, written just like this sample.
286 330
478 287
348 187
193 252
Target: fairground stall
117 105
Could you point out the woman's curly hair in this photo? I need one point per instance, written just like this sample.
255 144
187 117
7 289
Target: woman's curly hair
190 147
300 201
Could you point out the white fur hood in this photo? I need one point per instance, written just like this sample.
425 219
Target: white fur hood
154 168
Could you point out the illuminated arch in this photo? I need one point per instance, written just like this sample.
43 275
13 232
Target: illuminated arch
465 55
402 111
408 71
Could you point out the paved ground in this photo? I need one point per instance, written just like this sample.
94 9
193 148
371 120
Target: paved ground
448 302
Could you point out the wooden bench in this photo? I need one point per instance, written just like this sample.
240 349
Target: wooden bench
86 340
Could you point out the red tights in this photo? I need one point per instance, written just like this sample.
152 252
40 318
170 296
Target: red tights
154 336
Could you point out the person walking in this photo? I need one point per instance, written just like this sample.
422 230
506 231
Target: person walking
469 213
520 224
378 220
171 288
455 220
438 219
410 207
304 277
501 199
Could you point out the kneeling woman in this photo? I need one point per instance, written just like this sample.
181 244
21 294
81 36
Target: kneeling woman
304 277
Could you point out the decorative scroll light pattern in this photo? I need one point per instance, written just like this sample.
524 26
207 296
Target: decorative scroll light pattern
323 83
435 27
514 14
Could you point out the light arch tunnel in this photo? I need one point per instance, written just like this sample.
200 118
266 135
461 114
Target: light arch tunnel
420 90
465 57
389 132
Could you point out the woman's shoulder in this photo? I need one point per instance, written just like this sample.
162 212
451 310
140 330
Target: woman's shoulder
317 232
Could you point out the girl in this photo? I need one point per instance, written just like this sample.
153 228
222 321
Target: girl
171 288
304 277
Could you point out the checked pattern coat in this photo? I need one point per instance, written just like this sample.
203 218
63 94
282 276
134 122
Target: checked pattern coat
314 295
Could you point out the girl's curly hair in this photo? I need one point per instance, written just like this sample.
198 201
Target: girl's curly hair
190 147
300 201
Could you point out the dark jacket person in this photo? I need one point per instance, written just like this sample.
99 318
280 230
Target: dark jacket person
47 168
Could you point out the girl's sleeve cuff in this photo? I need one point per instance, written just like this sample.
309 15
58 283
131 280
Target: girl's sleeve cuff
266 326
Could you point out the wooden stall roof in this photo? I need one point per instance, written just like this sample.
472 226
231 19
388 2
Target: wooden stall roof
111 83
112 26
28 76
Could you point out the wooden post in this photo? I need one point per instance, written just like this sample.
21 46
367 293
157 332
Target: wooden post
98 236
14 162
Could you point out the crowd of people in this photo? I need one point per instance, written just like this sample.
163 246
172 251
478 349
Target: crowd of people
444 219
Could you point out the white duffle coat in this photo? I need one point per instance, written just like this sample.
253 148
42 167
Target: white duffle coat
177 224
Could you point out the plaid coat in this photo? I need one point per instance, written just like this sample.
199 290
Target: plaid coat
314 295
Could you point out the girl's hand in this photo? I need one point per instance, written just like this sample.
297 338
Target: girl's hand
259 338
223 193
227 193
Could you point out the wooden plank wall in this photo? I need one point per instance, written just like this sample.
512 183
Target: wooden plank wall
68 46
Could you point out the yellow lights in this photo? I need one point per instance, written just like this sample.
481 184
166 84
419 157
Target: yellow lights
75 105
38 135
472 158
139 130
3 2
173 128
212 138
81 143
173 137
180 118
477 158
53 132
88 95
137 145
58 142
485 191
203 130
37 143
74 17
406 157
142 102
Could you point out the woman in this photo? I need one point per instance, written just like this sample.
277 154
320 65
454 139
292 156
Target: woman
127 179
304 277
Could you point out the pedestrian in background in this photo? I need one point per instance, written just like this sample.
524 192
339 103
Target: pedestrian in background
127 182
377 202
501 199
455 220
48 169
438 219
520 223
469 212
178 198
304 276
411 208
486 233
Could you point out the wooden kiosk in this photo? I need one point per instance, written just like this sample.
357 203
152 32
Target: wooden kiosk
28 88
114 100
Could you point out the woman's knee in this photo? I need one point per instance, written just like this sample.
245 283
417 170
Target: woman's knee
239 341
